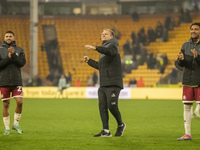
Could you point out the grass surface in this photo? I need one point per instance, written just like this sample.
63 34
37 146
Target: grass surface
59 124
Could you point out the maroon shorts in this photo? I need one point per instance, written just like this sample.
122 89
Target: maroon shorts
190 94
15 90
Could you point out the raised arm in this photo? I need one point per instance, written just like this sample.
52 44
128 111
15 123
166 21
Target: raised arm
110 50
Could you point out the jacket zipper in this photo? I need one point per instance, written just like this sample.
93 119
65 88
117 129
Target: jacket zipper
192 67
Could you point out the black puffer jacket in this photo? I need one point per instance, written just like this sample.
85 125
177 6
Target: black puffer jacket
191 74
10 68
109 64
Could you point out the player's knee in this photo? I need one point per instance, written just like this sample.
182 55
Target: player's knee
6 104
112 106
20 103
103 111
102 105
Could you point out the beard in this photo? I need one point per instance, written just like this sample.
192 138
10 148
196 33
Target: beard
9 43
196 38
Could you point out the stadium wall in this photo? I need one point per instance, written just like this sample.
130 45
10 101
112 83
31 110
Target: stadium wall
91 93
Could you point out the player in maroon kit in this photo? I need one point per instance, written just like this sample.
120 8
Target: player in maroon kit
189 59
12 58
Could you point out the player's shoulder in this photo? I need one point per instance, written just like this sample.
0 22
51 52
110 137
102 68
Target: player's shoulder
1 48
186 43
20 48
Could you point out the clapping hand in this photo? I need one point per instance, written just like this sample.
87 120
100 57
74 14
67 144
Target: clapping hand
11 50
194 53
180 56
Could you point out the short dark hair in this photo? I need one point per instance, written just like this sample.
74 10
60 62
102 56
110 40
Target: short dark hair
196 23
9 32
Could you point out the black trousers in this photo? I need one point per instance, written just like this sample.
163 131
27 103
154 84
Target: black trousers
108 99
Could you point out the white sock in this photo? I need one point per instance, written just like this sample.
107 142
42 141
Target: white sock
6 121
197 109
17 117
187 118
106 130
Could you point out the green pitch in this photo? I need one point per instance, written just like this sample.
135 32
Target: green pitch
69 124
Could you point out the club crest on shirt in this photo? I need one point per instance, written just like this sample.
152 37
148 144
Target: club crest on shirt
184 97
17 54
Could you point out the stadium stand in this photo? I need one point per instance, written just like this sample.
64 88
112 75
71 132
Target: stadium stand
17 26
73 34
21 28
43 67
171 48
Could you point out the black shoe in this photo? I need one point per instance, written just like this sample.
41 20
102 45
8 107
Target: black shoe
103 134
120 130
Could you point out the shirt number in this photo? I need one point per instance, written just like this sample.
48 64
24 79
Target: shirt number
19 89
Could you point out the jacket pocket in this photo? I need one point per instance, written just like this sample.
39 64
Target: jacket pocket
104 72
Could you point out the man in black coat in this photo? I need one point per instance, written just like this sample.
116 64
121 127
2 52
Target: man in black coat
111 83
12 58
189 59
